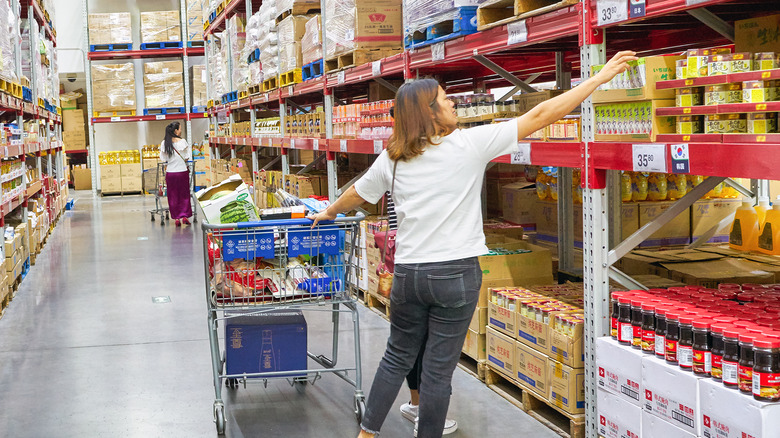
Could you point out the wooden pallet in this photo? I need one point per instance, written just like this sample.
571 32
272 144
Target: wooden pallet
271 84
113 113
300 7
255 89
358 57
293 76
559 421
379 304
476 368
495 13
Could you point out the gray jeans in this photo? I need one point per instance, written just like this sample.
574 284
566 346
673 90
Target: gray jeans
433 299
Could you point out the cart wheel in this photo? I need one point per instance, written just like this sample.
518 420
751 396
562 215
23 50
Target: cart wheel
360 408
300 385
231 383
220 420
162 221
167 215
152 217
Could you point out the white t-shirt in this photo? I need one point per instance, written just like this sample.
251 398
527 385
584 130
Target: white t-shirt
438 194
175 163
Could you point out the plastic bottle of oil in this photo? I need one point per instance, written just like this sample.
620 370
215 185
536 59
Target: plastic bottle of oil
625 186
769 236
744 230
676 186
761 209
639 187
553 175
542 185
576 186
657 187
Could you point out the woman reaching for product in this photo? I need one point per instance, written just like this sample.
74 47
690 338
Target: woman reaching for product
434 172
175 151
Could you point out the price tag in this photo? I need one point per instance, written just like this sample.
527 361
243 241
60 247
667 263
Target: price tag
522 155
680 158
611 11
376 68
341 77
315 145
638 9
116 119
290 90
343 145
649 158
694 2
437 52
292 143
378 146
518 32
159 117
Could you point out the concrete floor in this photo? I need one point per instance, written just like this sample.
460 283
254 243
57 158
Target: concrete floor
84 351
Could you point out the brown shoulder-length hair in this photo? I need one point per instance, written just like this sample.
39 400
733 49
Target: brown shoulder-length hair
416 119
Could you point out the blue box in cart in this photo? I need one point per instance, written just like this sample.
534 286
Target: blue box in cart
271 341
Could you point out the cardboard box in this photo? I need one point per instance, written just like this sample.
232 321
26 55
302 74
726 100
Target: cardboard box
73 120
531 370
501 319
151 163
130 170
518 203
727 413
526 101
479 320
74 140
271 341
132 183
533 333
707 213
211 207
567 387
567 350
656 68
660 124
111 185
366 24
672 394
654 427
757 35
616 418
619 370
728 270
500 352
526 269
474 346
110 170
676 232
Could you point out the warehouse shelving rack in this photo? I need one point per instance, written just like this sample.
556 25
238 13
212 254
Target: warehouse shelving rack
548 47
185 52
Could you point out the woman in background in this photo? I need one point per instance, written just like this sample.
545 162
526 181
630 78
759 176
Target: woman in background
176 152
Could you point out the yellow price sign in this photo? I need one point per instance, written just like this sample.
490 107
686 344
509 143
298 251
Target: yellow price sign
766 75
686 138
761 139
686 110
689 82
761 107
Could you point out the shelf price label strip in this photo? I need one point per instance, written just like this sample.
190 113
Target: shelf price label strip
649 157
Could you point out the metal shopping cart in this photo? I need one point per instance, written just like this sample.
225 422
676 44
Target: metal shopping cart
254 269
161 191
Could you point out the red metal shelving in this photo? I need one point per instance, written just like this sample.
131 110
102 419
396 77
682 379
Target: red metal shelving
143 54
150 118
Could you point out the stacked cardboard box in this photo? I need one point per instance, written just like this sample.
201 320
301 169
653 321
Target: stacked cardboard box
198 82
160 26
163 84
111 178
311 44
110 28
82 177
194 20
113 87
375 24
74 134
291 31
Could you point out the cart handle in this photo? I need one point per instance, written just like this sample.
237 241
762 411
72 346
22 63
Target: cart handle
283 222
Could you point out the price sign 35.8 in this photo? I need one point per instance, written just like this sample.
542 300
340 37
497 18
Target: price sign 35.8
649 158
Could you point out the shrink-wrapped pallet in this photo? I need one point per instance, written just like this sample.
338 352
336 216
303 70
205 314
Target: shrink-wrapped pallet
113 87
375 24
311 44
160 26
112 28
163 84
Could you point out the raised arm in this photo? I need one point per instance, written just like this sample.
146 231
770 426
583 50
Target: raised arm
554 109
348 201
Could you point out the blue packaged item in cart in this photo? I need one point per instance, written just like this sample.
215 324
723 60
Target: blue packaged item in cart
266 342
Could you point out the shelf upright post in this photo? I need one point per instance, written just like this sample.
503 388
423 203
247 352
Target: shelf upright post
186 67
565 181
206 43
595 226
327 103
91 156
284 152
760 187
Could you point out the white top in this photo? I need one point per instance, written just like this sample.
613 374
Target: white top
438 194
175 163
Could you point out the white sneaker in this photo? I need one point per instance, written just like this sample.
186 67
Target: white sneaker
409 411
450 426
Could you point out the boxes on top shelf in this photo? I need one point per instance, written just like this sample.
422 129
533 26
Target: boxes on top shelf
758 35
369 25
114 28
194 20
198 75
311 43
160 26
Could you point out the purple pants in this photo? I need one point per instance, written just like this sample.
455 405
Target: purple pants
179 194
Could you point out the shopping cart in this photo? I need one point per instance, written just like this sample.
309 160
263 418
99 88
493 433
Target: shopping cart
161 191
257 268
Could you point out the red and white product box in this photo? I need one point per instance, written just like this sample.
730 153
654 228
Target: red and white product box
654 427
671 394
619 370
618 419
728 413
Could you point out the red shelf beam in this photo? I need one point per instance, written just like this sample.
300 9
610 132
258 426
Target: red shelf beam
151 118
561 154
763 75
152 53
656 8
392 65
729 108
